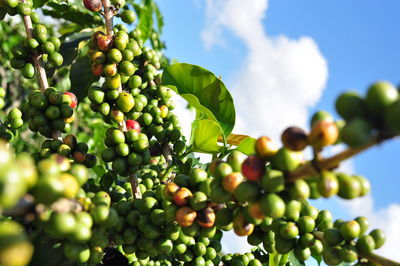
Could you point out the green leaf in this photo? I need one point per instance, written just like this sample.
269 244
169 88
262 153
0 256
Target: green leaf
39 3
81 68
145 24
204 91
274 259
293 260
99 170
247 146
205 134
159 17
69 47
73 12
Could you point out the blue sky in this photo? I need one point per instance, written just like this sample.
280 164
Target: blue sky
340 44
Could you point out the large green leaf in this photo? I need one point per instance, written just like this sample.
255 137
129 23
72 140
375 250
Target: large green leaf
204 137
204 91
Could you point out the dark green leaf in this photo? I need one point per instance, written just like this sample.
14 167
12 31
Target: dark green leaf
293 260
39 3
318 258
73 13
69 47
203 90
81 68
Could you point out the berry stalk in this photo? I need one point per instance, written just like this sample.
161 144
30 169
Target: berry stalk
108 17
36 57
311 168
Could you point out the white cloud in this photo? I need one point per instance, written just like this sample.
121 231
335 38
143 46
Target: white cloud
386 219
280 77
232 243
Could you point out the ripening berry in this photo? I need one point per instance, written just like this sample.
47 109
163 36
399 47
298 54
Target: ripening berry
253 168
92 5
294 138
265 147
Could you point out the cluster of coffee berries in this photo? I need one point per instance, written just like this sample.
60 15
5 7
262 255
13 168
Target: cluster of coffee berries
48 46
254 258
366 117
127 151
14 7
68 147
130 90
191 208
328 184
82 233
17 176
50 111
13 121
58 179
347 239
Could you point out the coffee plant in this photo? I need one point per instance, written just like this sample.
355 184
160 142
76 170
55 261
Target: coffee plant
94 168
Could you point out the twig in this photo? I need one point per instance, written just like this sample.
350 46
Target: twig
37 60
36 57
67 205
3 78
135 186
380 260
27 205
108 17
167 154
309 168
